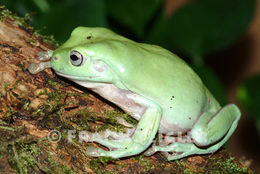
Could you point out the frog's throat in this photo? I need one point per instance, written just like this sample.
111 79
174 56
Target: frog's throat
73 78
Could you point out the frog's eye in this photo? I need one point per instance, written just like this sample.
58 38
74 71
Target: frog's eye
76 58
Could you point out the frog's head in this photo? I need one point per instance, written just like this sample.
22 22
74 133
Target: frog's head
80 57
77 64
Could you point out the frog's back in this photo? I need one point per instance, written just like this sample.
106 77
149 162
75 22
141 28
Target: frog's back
88 35
164 78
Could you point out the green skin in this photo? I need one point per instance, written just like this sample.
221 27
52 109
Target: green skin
150 83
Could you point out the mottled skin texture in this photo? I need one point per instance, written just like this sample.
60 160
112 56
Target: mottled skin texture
154 86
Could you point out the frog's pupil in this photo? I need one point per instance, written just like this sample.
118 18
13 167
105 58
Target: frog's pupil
74 57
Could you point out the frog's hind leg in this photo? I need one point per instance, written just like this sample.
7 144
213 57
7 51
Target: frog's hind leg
217 127
138 142
103 137
209 133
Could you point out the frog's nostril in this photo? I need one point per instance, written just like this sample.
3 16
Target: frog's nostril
55 58
61 69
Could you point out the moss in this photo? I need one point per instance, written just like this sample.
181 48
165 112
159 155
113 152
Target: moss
31 41
9 113
7 128
55 167
182 168
110 121
144 163
214 165
23 22
14 85
27 155
26 104
98 164
23 156
46 39
126 117
54 102
23 68
54 83
227 166
102 121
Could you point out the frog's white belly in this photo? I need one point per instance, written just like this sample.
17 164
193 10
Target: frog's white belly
121 97
125 99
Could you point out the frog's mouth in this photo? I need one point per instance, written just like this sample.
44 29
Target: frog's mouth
72 77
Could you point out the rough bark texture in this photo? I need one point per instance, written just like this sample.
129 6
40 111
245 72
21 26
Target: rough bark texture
31 106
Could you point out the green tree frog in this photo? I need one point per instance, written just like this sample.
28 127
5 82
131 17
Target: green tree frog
153 85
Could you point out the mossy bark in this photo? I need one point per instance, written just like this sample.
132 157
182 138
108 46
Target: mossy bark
31 106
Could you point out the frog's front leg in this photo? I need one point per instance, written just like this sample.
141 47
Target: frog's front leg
210 131
34 68
45 55
140 140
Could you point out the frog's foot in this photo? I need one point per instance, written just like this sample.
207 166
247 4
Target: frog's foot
45 55
175 150
209 134
34 68
111 144
118 148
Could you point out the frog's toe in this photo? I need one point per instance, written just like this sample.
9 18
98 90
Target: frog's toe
34 68
45 55
174 155
93 151
174 151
